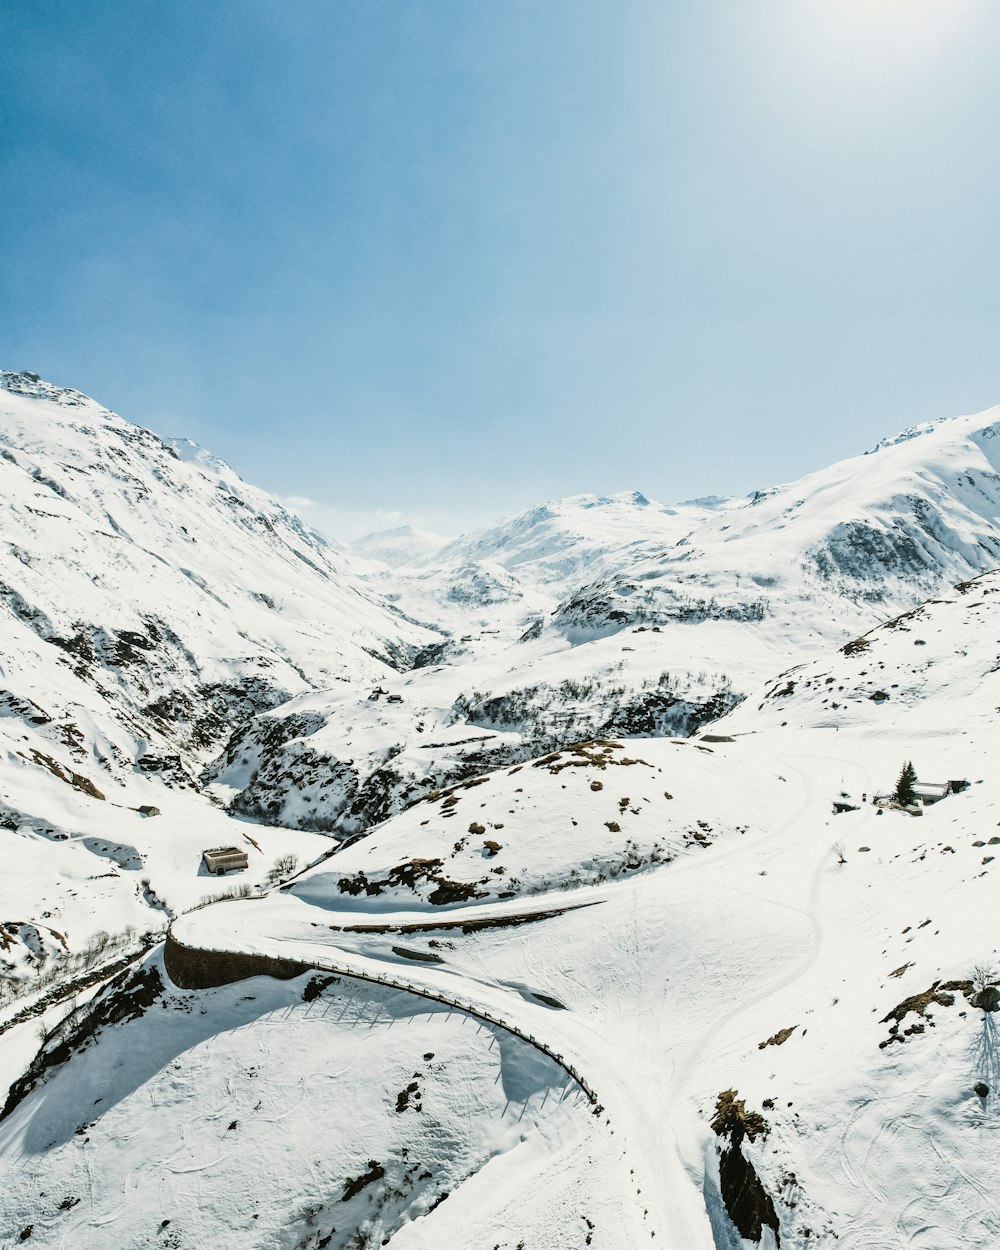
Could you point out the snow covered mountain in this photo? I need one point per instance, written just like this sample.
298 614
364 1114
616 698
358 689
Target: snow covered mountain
402 545
162 581
567 541
870 532
150 602
626 951
691 607
158 591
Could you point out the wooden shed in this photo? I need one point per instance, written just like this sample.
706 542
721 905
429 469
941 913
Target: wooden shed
220 859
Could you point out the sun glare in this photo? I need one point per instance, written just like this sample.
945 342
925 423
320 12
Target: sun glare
902 22
882 43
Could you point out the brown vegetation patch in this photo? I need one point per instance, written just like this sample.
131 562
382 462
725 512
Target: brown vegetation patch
941 994
76 780
467 926
410 874
779 1038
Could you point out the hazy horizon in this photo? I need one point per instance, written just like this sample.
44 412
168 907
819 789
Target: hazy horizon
435 264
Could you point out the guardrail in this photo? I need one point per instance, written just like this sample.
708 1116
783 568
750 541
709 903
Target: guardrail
480 1013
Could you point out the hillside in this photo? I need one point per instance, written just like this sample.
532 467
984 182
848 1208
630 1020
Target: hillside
939 655
151 601
870 533
569 919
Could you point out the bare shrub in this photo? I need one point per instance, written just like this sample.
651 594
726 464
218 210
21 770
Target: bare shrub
983 976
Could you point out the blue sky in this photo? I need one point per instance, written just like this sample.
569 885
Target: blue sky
437 260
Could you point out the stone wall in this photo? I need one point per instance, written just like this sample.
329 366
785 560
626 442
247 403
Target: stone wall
193 969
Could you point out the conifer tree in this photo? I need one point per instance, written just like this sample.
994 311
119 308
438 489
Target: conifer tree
904 786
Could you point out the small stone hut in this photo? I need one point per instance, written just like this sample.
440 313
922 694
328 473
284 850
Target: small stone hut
221 859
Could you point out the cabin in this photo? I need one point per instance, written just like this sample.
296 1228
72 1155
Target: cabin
221 859
925 794
928 792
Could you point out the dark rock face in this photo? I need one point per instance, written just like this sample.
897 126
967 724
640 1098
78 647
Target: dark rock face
126 997
746 1200
989 999
863 551
661 714
748 1203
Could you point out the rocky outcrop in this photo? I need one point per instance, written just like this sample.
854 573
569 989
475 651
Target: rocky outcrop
749 1205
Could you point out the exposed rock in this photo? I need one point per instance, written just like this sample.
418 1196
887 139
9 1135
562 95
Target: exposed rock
989 998
750 1207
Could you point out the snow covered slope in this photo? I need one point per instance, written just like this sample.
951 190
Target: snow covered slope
316 1112
158 594
940 655
612 985
402 545
566 541
149 602
780 1018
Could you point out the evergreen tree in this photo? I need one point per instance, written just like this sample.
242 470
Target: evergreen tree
904 786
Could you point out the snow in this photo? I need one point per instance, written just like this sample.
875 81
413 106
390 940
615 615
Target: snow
668 917
670 984
399 546
150 603
598 616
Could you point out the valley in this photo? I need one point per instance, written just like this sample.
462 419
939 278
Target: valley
551 934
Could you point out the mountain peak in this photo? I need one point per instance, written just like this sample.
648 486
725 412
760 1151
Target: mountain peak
911 432
31 386
403 544
977 422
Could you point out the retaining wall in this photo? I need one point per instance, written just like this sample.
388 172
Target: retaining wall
192 968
